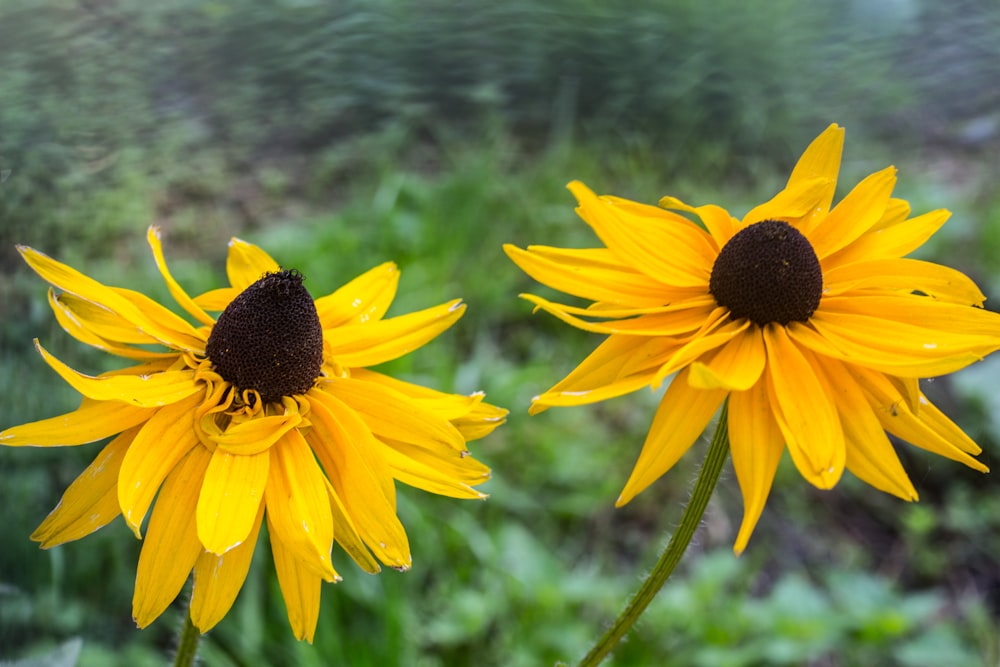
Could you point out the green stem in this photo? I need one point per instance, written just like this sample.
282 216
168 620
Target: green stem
187 645
690 520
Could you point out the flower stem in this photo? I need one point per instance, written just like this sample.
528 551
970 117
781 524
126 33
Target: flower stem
187 645
718 451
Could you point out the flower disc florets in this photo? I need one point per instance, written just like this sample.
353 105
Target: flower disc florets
269 338
768 272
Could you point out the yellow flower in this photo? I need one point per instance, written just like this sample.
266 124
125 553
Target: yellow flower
267 412
808 318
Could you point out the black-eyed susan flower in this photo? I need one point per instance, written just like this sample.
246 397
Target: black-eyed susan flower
810 319
267 413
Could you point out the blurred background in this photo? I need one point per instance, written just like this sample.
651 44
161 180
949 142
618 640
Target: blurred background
341 135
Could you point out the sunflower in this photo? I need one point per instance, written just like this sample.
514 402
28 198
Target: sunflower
811 320
267 413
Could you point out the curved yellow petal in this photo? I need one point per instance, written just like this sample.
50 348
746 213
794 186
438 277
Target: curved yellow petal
390 414
736 366
176 291
158 447
717 330
346 534
479 422
895 241
247 263
298 508
144 391
76 322
893 347
90 422
720 225
820 160
921 313
459 466
171 547
256 435
349 454
229 499
905 276
384 340
804 410
300 587
927 428
91 501
218 579
855 214
430 478
675 323
640 241
592 273
619 365
139 310
870 455
364 299
682 416
217 299
793 203
756 444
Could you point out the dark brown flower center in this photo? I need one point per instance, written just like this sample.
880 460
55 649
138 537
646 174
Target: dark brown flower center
269 338
768 272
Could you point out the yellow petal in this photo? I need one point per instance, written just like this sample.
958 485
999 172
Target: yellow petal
821 159
459 466
229 499
870 455
364 299
712 336
256 435
176 291
362 480
144 391
298 508
618 366
675 323
217 299
246 264
346 534
300 587
720 225
90 422
479 422
756 446
682 416
736 366
74 320
161 443
906 276
893 347
392 415
895 241
171 546
218 579
804 410
430 478
91 501
927 429
856 213
794 202
144 313
384 340
593 273
640 241
919 312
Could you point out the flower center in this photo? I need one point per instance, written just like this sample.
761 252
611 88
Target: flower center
269 338
768 272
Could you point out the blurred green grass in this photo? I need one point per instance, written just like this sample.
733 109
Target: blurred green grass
338 138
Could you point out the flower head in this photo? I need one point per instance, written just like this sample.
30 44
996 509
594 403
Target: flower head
811 320
266 413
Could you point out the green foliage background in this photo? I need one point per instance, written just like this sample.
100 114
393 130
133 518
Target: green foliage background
338 136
